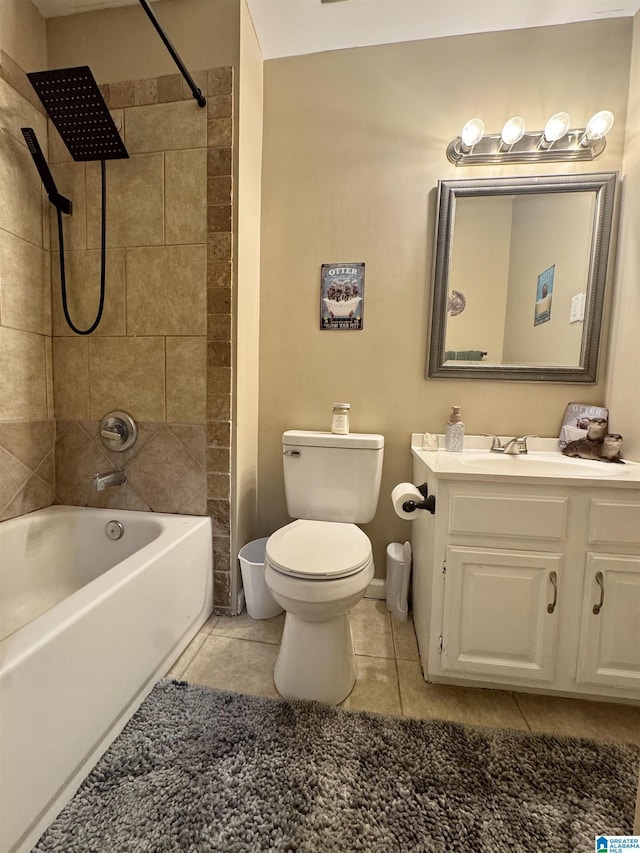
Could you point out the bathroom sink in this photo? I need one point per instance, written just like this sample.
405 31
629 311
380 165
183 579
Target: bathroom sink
538 463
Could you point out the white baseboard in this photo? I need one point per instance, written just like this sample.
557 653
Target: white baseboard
377 589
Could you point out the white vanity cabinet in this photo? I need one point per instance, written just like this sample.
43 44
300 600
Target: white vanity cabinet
528 582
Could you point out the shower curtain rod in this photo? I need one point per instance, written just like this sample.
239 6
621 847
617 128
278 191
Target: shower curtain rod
197 94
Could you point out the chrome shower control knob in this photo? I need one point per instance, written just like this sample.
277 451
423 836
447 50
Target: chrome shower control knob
114 529
118 431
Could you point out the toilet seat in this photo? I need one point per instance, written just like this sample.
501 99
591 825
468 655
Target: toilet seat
318 550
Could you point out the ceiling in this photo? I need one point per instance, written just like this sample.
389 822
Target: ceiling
292 27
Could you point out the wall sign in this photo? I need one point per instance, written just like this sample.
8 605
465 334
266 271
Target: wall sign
342 296
544 294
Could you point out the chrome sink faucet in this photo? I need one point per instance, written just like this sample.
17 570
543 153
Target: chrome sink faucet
513 447
110 478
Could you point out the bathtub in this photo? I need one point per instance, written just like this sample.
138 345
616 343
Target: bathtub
91 624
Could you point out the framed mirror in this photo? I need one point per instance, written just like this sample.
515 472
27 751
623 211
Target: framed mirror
519 277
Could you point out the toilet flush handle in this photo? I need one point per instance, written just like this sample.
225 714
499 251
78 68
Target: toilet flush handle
291 453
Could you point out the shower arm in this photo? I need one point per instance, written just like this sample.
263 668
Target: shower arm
197 94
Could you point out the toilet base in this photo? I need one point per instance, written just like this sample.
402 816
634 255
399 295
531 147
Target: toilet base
316 659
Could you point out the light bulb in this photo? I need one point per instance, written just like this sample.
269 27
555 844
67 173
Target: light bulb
556 127
599 125
472 132
513 131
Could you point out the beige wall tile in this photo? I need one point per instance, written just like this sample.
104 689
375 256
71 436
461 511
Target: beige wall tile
168 478
186 380
48 358
166 290
71 377
13 476
194 438
70 180
162 127
185 196
169 88
35 494
25 288
28 441
82 275
78 459
128 374
20 191
16 110
135 206
145 91
23 372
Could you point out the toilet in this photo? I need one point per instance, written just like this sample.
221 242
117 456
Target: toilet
319 566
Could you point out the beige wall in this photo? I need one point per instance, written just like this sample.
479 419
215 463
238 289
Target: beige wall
547 230
246 351
26 393
622 396
23 34
480 271
122 44
354 146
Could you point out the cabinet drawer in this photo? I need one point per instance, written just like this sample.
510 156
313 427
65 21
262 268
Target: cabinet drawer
614 523
506 515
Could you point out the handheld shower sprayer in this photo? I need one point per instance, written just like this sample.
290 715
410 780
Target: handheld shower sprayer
57 200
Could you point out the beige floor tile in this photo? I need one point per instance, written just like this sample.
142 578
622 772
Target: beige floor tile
371 627
179 667
376 687
404 639
229 664
580 718
243 627
468 705
211 622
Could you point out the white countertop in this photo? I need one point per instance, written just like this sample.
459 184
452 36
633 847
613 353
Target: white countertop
544 462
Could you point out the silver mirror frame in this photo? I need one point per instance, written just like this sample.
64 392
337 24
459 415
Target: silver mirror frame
603 184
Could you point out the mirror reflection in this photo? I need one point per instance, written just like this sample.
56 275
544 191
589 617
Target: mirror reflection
519 277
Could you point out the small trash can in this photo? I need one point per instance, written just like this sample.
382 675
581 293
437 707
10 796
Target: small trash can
398 570
259 601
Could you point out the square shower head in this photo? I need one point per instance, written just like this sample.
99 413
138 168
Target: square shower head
75 105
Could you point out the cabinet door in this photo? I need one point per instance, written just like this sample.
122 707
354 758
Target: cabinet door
610 628
500 613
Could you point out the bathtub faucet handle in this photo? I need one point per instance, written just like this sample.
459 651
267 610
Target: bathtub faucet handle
114 432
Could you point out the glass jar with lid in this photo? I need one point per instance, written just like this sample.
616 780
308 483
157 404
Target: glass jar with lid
340 420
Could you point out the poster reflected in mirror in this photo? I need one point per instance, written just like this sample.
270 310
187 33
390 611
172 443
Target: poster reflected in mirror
544 294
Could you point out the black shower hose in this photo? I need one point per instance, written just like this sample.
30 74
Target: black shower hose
103 259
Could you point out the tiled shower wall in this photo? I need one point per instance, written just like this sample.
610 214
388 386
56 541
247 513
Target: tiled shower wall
26 393
162 351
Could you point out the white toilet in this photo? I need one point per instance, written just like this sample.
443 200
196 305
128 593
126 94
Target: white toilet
319 567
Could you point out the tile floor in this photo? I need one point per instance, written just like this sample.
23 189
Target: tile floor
238 653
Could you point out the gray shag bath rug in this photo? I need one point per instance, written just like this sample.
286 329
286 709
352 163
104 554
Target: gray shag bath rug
206 770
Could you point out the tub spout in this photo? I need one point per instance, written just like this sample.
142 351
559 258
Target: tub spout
110 478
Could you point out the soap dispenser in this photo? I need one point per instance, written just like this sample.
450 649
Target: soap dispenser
454 432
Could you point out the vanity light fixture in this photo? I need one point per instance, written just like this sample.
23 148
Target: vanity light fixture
515 145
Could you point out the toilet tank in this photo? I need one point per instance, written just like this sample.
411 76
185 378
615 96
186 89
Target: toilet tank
329 477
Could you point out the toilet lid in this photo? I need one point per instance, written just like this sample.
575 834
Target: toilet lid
318 549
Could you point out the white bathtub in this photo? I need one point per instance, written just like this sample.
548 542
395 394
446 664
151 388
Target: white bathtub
92 624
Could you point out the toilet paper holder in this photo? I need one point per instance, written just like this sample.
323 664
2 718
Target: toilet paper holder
428 504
